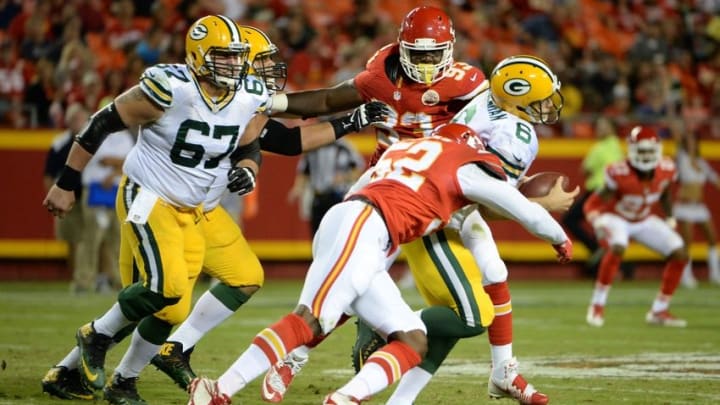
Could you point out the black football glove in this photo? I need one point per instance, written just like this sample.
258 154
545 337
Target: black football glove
373 112
241 180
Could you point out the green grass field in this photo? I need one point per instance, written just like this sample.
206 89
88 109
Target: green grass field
625 362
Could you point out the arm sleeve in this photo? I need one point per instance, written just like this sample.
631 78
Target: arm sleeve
505 199
278 138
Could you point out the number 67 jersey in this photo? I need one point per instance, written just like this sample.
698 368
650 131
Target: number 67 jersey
181 155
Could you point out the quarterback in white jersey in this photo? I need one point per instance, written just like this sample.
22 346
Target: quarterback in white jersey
198 124
522 91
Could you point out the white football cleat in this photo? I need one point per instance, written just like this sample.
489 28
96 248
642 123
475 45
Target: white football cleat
664 318
204 391
513 385
279 377
595 315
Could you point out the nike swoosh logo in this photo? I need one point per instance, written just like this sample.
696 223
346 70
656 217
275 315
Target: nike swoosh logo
473 77
267 394
517 158
88 374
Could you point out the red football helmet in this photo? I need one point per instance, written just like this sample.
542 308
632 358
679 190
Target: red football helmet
426 44
461 134
644 148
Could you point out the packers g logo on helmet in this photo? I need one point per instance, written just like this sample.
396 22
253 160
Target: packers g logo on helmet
525 86
198 32
517 87
216 52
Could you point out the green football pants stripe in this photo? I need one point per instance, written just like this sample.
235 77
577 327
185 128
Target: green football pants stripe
454 277
148 245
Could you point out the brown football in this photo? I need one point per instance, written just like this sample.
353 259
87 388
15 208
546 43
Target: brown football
540 184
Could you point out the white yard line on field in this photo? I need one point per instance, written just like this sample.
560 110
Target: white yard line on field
667 366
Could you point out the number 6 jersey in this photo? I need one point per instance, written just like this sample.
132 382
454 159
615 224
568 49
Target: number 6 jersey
183 153
507 136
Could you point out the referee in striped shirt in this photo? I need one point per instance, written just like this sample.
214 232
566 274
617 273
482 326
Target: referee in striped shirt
325 175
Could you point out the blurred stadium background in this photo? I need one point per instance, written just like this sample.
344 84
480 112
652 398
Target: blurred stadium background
655 62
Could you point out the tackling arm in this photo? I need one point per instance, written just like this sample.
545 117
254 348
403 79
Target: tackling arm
311 103
500 196
278 138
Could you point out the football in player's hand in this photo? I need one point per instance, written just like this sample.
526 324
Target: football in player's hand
540 184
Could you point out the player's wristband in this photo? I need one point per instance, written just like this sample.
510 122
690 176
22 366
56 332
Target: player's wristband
342 126
70 179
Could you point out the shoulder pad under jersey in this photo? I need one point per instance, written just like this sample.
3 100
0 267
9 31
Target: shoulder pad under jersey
155 84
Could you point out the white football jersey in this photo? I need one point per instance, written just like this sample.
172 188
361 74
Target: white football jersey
506 135
185 154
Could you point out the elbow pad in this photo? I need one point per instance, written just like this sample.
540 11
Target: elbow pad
102 124
250 151
278 138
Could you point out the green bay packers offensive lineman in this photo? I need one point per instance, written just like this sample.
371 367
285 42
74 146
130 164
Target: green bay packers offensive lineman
228 257
198 126
227 254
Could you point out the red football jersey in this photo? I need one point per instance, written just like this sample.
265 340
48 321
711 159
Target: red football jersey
417 108
429 192
634 198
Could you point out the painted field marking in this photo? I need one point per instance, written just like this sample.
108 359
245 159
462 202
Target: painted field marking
664 366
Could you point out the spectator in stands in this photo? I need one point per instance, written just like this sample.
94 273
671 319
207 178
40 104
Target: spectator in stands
36 42
328 173
8 10
91 92
608 41
114 85
39 92
152 46
125 29
70 228
12 85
